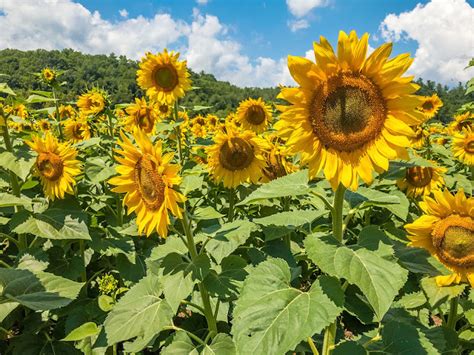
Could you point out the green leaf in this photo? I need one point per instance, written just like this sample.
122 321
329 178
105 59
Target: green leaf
140 313
228 238
378 278
5 89
191 183
226 284
271 317
106 303
295 184
39 290
98 170
84 331
349 347
54 223
437 295
290 219
370 197
206 213
113 244
222 344
8 200
200 108
180 344
19 163
34 99
6 308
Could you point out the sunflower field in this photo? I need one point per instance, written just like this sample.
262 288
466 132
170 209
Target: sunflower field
337 220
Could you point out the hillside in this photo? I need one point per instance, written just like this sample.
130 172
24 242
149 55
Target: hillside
116 74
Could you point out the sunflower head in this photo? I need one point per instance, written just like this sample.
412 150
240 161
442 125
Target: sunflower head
147 177
422 180
164 110
212 122
460 122
420 138
93 102
56 165
431 105
236 157
446 230
20 111
163 76
48 75
43 125
141 115
254 114
76 129
278 160
349 114
463 146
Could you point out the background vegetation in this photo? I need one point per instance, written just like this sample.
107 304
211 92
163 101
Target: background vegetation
116 74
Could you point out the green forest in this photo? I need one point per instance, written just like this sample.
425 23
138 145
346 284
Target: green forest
116 74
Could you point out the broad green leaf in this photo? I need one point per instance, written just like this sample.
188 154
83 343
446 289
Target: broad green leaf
54 223
206 213
378 278
357 305
437 295
412 300
228 238
399 209
113 244
200 108
8 200
19 163
84 331
227 281
290 219
222 344
98 170
349 347
5 89
272 317
39 290
33 99
181 344
140 313
370 197
88 143
295 184
191 183
6 308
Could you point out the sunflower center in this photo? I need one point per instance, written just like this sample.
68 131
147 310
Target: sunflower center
77 131
427 106
145 122
50 165
236 154
453 238
163 108
419 176
255 115
166 78
469 146
150 184
347 112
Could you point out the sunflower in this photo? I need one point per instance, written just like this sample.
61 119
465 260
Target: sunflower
212 122
92 103
460 122
43 125
463 146
165 110
431 105
66 111
254 114
350 114
198 131
147 178
76 129
48 75
446 230
56 165
420 138
20 110
236 157
163 76
141 115
422 180
277 158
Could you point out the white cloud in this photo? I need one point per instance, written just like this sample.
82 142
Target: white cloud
58 24
297 25
123 13
300 8
445 35
202 2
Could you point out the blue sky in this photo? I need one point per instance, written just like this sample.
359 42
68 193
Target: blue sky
247 42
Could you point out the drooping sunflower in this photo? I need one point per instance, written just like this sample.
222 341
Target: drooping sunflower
43 125
460 122
420 138
48 75
212 122
76 129
422 180
431 105
92 103
446 230
141 115
350 114
165 110
163 76
236 157
147 178
254 114
277 158
56 165
463 146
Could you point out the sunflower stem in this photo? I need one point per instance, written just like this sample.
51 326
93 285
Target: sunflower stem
329 338
453 314
58 118
208 313
314 350
472 172
82 252
177 131
230 215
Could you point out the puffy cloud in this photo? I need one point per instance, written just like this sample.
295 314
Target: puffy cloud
297 25
300 8
202 2
445 36
123 13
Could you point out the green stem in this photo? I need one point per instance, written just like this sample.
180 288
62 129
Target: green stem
57 114
286 207
337 231
211 321
9 146
314 350
82 251
230 215
472 172
453 314
177 131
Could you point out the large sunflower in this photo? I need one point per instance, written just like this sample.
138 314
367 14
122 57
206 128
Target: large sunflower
163 76
254 114
92 102
463 146
460 122
431 105
446 230
350 115
236 157
56 165
422 180
76 129
141 115
147 178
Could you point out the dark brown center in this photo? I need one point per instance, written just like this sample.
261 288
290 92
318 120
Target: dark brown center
166 78
236 154
255 115
419 176
50 166
149 183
